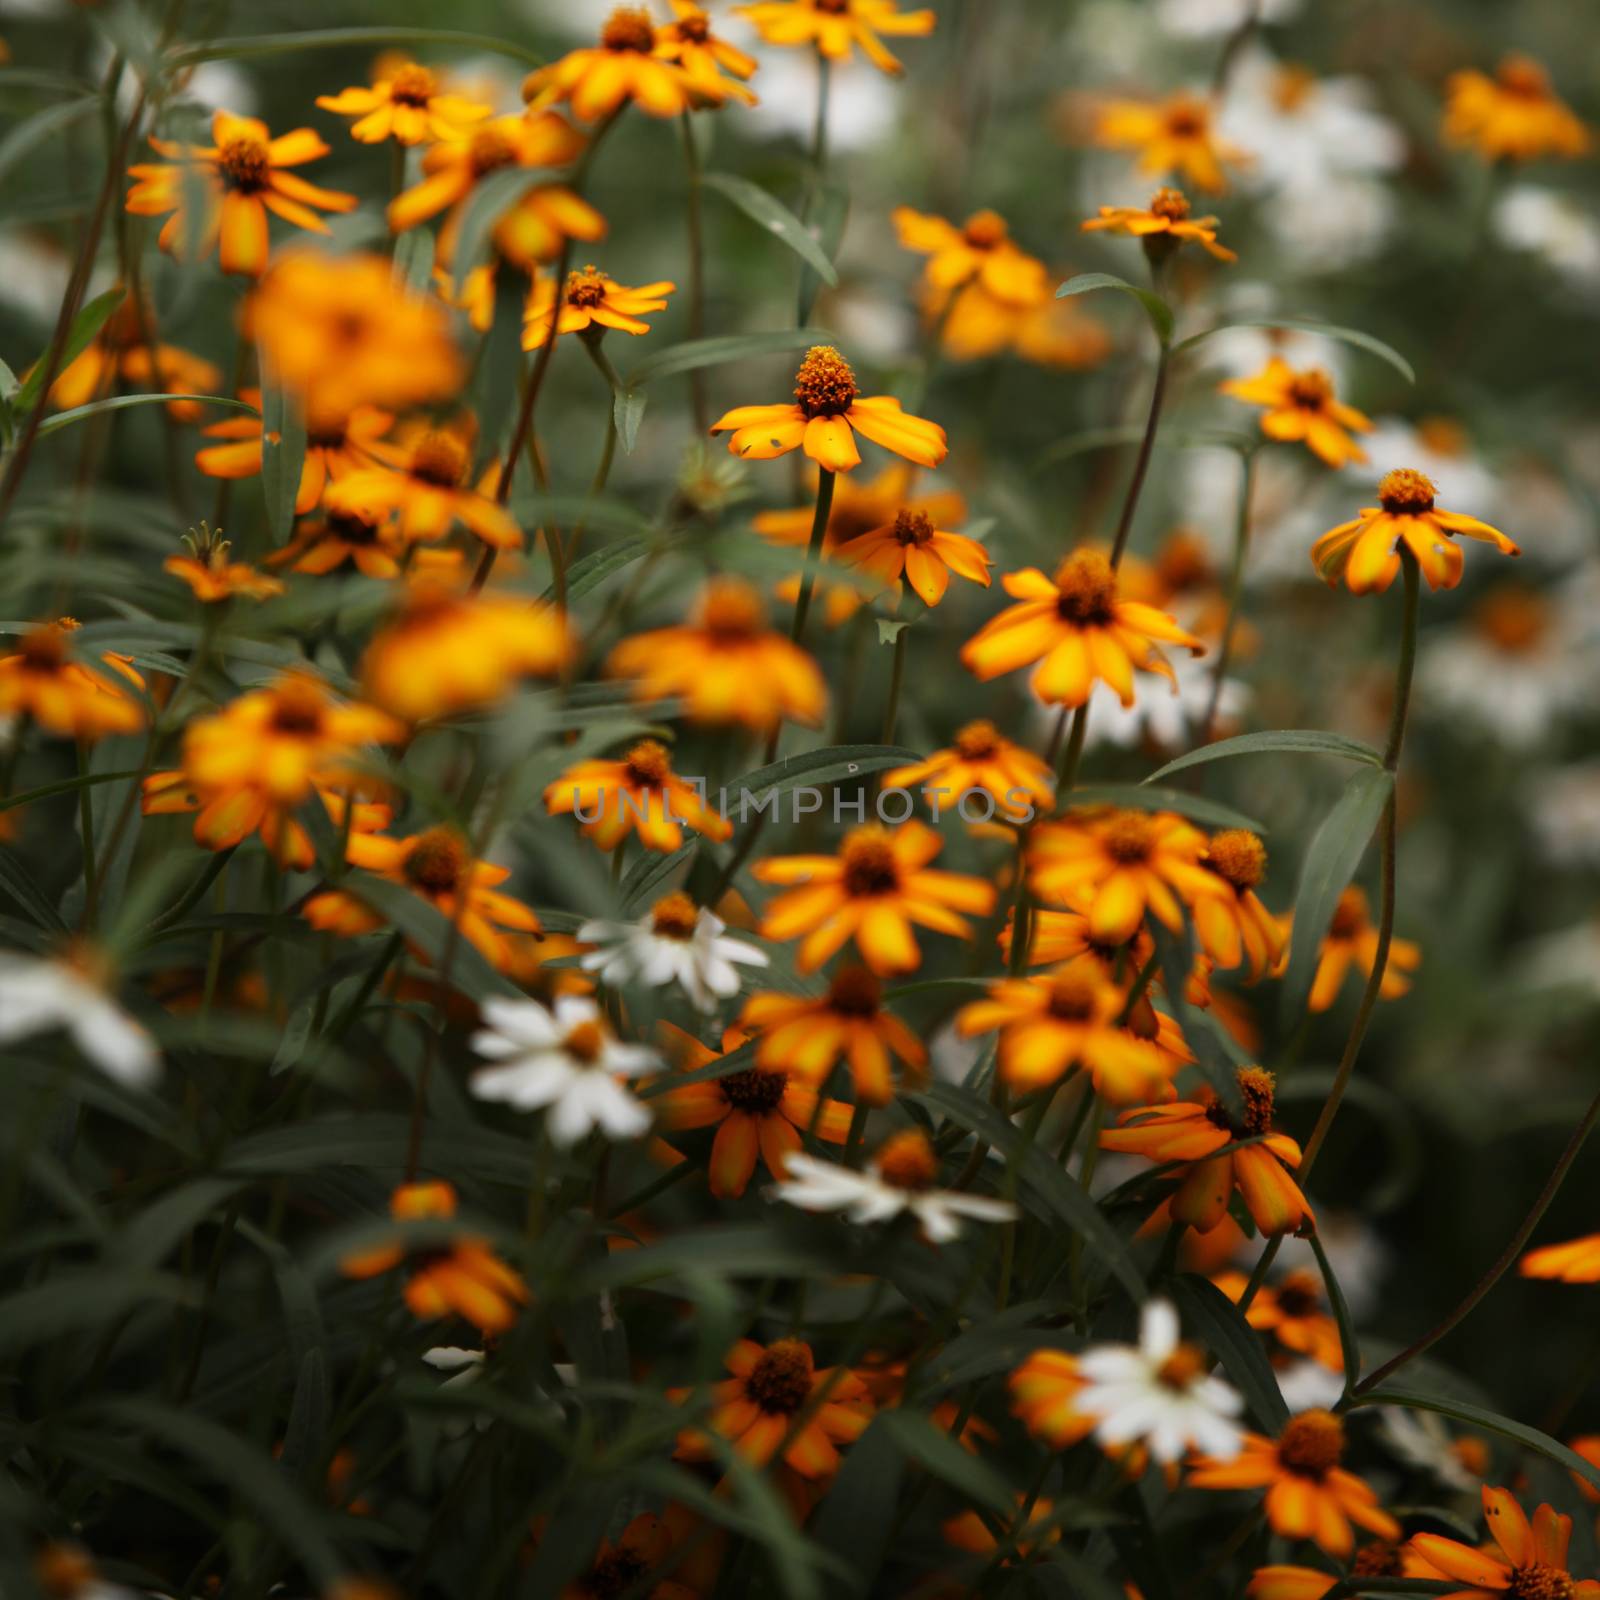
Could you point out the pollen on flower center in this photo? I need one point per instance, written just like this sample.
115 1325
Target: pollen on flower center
1087 587
1377 1560
1072 996
489 150
1172 204
1536 1581
1311 1443
586 1043
1184 1366
825 385
977 741
435 862
648 764
245 164
1256 1090
780 1382
629 28
906 1161
412 85
1239 857
869 864
44 649
1350 915
755 1090
674 917
440 459
1130 836
1312 390
731 609
984 230
586 289
1405 493
855 992
913 527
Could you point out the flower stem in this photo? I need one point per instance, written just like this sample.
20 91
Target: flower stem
1141 465
86 832
897 674
808 578
693 212
1241 545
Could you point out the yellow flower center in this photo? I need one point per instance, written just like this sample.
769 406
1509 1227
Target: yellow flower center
730 609
1072 996
488 150
780 1382
244 164
1291 85
855 992
1256 1090
1512 618
1311 1443
906 1161
1523 77
1129 837
1404 492
984 230
435 862
1185 1366
1172 204
629 28
586 289
913 527
869 864
1187 118
439 458
412 85
1350 915
298 705
755 1090
1088 588
825 385
674 917
1311 391
1539 1582
648 765
1377 1560
978 741
1238 856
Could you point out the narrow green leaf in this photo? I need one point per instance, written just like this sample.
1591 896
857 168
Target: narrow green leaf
273 44
776 218
1145 797
85 326
932 1448
1328 330
834 764
491 198
48 791
1155 308
283 455
856 1520
46 123
628 410
1274 741
18 882
1349 1343
598 565
122 402
697 353
1222 1328
826 218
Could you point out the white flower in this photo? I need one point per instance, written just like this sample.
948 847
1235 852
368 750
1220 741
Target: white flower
1355 1253
1421 1440
1199 19
1565 811
864 116
1309 1386
1439 449
1160 717
36 996
1158 1391
1557 227
565 1060
900 1179
672 944
1347 218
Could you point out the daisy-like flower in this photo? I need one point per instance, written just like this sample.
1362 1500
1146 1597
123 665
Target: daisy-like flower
837 27
1233 925
753 1410
1044 1395
1200 1132
1309 1495
443 653
639 794
1159 1393
1162 227
689 43
1176 136
727 664
911 548
371 543
1119 866
1294 1312
212 576
981 758
756 1112
1352 941
118 351
675 943
901 1177
237 181
1532 1558
1423 1440
1378 1559
827 413
1301 408
806 1036
1077 629
593 299
462 1277
872 891
980 251
71 994
337 444
44 683
625 68
405 103
1513 116
563 1059
1365 554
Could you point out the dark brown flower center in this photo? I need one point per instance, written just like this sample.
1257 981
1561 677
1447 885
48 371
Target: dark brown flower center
913 527
1187 119
869 864
1312 1443
730 609
44 649
1239 857
488 150
615 1573
586 1043
440 459
1311 391
674 917
353 527
586 289
855 992
1087 589
754 1090
694 29
825 385
1405 493
780 1382
1129 836
629 28
245 165
906 1161
978 741
1072 997
1377 1560
298 706
984 230
435 862
1350 915
1523 77
1184 562
647 764
1185 1366
412 86
1297 1295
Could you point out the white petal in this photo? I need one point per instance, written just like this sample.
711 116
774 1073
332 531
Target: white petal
1158 1330
114 1042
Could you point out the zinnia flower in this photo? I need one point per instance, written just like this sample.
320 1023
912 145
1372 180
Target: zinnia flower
1301 408
1513 116
1044 1394
1294 1312
405 104
1174 136
237 180
689 42
1365 554
1352 940
1163 227
43 682
675 942
981 758
1532 1559
212 576
592 299
827 414
981 251
1233 925
911 547
624 68
371 543
836 27
638 794
119 350
1077 629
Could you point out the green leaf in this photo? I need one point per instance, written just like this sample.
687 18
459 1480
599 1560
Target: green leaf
491 198
85 326
598 565
44 124
413 260
121 402
776 218
1155 308
83 780
274 44
826 217
856 1521
628 410
932 1448
1144 797
1220 1325
834 764
283 455
75 1301
1219 1057
1349 1343
697 353
1330 863
1328 330
19 883
1274 741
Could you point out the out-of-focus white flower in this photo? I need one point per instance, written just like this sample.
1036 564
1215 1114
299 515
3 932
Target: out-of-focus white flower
1109 40
1437 447
1200 19
1354 1251
1421 1440
1308 1385
33 278
673 943
1567 959
1158 716
1559 228
566 1060
859 117
1159 1391
1564 806
1346 218
899 1179
36 996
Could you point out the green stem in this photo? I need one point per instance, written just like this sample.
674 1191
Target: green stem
608 450
694 217
1241 544
1141 465
91 900
819 530
896 678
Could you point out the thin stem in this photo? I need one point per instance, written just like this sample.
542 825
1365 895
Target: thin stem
1241 545
608 450
697 270
819 128
1141 464
91 899
897 674
819 530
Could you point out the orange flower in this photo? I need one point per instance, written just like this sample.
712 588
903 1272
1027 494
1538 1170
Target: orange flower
1353 938
1043 1389
876 887
862 505
1174 136
1576 1261
756 1111
1309 1495
371 544
238 180
1163 227
638 794
624 68
827 414
592 298
1294 1312
806 1036
980 757
1233 925
1532 1559
911 547
443 654
213 577
980 252
463 1277
1119 866
726 664
1196 1131
43 682
1513 116
973 324
404 104
836 27
1379 1559
119 350
1365 553
1067 1019
337 444
703 57
1078 630
755 1408
1301 408
968 1531
645 1544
